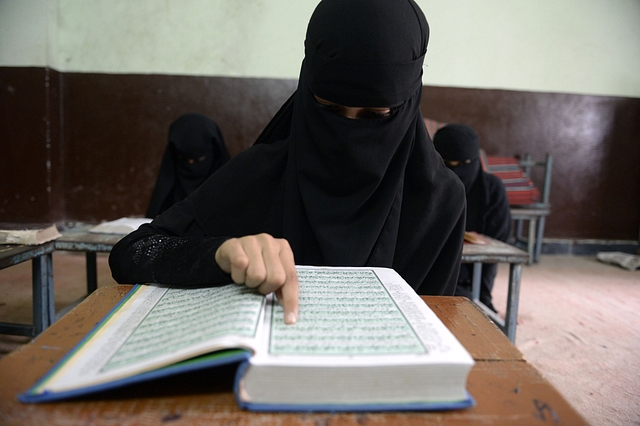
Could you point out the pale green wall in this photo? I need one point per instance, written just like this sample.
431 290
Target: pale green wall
23 32
573 46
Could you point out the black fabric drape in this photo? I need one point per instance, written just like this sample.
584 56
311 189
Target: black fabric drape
488 213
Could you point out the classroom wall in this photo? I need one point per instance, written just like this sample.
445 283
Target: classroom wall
88 89
566 46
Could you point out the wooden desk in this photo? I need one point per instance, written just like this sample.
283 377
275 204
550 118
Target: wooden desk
497 252
41 282
507 390
76 237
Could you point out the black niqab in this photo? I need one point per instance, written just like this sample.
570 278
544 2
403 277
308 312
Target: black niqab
458 142
487 205
194 137
350 192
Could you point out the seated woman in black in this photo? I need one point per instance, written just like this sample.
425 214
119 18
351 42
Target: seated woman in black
195 150
487 204
344 175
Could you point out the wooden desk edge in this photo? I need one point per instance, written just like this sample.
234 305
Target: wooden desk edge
55 342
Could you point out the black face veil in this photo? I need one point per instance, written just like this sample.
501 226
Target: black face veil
350 192
191 136
458 142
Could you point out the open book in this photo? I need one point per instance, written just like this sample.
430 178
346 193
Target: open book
364 341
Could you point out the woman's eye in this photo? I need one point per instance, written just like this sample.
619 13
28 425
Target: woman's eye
377 114
353 112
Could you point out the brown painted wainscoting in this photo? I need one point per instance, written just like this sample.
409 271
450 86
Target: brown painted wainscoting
87 147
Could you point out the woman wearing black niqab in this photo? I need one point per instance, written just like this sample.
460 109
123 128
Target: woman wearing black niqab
195 150
488 210
345 172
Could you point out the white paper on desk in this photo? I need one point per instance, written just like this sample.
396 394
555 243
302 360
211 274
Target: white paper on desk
122 226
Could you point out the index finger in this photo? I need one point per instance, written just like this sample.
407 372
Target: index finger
288 294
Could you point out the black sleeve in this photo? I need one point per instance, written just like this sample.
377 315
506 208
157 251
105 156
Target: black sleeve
449 274
498 226
446 267
497 223
170 250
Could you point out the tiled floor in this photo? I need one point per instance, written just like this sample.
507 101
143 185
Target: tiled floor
578 323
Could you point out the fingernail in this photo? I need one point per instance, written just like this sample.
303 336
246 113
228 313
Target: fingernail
290 318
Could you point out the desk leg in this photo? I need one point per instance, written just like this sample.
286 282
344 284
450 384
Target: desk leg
475 281
92 272
531 244
513 296
43 299
539 236
518 230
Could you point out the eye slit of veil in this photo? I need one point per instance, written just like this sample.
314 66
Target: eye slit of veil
363 113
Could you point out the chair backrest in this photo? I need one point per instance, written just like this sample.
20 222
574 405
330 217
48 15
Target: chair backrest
433 126
527 163
517 178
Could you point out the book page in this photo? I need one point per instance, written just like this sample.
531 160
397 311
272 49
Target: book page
158 326
343 312
364 313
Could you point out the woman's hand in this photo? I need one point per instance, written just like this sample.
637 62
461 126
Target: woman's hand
265 263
